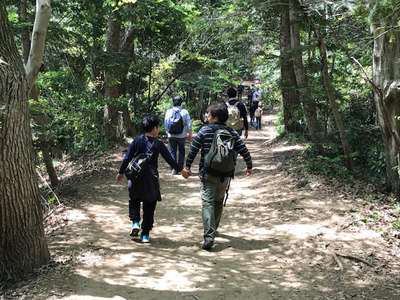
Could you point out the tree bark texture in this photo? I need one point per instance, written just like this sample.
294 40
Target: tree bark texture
23 245
120 49
304 92
386 79
290 99
111 80
330 93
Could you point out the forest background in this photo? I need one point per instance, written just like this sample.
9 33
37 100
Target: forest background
332 68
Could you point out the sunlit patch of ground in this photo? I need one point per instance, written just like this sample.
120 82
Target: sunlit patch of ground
275 242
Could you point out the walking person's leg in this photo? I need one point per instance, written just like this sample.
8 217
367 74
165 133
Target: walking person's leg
173 147
259 123
149 208
134 211
208 196
219 205
181 154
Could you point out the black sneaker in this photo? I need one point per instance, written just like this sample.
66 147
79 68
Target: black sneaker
135 229
207 244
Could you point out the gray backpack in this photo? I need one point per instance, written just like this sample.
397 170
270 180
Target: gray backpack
220 161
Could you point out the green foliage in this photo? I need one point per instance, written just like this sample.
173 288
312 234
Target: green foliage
72 119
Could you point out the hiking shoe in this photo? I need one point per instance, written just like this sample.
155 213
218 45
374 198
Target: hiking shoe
145 237
135 229
207 244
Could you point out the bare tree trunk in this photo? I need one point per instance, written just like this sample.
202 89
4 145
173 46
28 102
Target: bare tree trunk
23 245
386 82
111 80
330 93
34 94
309 105
290 99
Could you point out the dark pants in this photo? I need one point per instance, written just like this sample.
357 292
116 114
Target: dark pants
258 122
177 147
148 212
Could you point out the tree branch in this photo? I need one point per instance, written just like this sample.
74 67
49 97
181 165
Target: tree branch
35 60
376 88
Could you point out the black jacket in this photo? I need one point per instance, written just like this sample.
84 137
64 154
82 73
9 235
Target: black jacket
147 187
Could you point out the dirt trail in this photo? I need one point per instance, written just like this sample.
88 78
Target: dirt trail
276 241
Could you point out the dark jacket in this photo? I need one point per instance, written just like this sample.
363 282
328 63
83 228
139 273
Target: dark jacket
147 187
203 140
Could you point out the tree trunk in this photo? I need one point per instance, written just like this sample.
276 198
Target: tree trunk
23 245
309 105
111 91
386 80
290 100
330 93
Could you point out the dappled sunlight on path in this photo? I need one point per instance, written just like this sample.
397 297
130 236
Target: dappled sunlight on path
274 242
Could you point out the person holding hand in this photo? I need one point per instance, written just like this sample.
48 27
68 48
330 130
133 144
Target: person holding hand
219 145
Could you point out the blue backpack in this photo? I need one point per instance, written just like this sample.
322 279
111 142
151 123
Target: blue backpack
175 122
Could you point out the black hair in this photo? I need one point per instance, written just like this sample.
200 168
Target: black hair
219 111
177 100
231 92
150 122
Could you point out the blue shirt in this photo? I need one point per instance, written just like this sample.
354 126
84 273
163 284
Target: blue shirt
187 122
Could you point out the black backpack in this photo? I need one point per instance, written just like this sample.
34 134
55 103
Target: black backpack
176 124
139 162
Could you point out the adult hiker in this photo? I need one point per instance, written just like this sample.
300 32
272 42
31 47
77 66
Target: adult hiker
178 125
140 165
237 113
219 145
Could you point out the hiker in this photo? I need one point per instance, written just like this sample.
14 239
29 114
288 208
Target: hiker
237 114
258 114
144 187
178 125
219 145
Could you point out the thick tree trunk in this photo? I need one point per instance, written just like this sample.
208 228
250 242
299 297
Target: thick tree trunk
23 245
386 80
309 105
330 93
290 99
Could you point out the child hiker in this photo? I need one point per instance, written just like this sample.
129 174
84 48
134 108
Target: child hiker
258 114
145 187
219 146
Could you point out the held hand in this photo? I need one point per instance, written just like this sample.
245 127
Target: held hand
120 178
190 136
186 173
249 172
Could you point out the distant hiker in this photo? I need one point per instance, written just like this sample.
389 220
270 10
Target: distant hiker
237 114
140 165
258 114
178 125
219 145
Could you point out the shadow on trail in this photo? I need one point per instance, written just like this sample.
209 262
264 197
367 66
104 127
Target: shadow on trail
273 241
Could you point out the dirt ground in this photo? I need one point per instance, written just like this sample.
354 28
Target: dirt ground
276 241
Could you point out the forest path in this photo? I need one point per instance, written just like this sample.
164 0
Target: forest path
276 241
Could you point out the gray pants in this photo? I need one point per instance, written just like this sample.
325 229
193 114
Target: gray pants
212 195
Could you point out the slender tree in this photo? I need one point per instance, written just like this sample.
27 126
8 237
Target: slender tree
290 97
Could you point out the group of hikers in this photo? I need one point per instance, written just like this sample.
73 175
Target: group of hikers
219 142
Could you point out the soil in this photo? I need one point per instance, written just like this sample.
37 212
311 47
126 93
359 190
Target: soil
278 240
